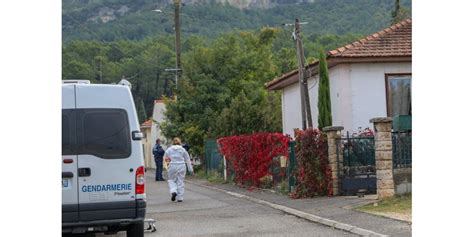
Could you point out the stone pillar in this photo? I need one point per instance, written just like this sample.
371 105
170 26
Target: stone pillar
333 133
383 156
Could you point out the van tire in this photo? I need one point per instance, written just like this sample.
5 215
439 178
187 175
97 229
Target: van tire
136 230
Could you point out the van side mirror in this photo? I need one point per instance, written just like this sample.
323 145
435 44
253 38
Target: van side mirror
137 135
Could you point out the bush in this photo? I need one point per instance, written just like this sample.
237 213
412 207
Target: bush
250 156
313 173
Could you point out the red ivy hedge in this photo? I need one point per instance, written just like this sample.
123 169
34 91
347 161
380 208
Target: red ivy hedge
250 156
313 174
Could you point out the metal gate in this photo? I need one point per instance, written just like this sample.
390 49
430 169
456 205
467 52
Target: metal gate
356 165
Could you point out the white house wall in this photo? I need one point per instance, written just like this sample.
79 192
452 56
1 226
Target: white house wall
313 86
340 100
368 90
147 147
340 91
158 116
357 95
291 108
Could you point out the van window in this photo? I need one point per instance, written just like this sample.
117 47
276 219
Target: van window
105 133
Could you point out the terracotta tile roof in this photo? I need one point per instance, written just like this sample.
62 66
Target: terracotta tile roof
146 124
393 41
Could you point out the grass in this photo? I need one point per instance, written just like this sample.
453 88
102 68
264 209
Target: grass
397 204
282 188
201 173
212 177
215 178
398 207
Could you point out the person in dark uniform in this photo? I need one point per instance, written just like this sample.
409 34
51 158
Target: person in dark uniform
186 147
158 154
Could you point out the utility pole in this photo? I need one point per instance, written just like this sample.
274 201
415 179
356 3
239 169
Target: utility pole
303 79
176 73
177 29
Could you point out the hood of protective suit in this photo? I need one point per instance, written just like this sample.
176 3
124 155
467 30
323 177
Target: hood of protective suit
176 147
177 154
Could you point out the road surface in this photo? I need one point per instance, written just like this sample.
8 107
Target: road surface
205 212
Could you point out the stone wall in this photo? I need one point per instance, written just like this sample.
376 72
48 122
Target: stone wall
333 133
402 180
383 157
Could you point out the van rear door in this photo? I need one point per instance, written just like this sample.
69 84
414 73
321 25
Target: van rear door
106 168
69 158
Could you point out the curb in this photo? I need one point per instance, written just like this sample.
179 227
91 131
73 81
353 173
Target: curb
301 214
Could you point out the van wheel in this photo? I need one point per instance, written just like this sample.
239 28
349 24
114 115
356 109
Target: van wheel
136 230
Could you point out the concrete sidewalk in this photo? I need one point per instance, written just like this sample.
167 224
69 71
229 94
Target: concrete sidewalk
335 209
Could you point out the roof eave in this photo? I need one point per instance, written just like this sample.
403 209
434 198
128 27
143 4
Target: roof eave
292 78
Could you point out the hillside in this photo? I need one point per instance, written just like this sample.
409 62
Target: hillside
111 20
223 47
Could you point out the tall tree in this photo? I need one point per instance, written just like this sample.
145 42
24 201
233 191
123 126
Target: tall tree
248 114
399 13
324 96
221 91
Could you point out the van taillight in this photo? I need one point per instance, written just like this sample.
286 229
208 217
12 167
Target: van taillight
140 181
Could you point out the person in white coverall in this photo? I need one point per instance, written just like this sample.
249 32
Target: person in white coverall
178 158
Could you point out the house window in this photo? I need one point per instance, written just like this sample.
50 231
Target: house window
398 87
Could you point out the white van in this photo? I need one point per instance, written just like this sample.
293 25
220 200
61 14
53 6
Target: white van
103 182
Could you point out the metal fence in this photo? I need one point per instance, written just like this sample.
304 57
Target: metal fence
214 160
292 166
281 168
401 149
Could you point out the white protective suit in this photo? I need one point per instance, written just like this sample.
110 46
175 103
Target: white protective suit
177 169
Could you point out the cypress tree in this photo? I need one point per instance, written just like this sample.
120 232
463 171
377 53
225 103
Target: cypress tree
399 13
396 12
324 97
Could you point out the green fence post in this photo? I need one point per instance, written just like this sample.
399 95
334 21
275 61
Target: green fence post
206 156
291 166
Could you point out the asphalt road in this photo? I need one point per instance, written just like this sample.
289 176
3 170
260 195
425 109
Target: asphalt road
206 212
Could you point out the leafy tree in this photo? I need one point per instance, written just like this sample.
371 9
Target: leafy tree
143 62
246 115
324 97
222 81
77 70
